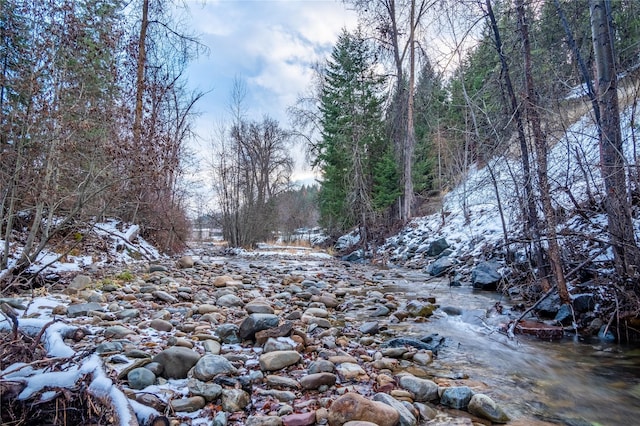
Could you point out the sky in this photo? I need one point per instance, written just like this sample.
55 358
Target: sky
269 45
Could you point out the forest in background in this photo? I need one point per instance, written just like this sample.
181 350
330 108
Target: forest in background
96 116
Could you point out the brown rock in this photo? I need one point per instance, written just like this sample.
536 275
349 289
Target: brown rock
314 381
299 419
282 330
352 406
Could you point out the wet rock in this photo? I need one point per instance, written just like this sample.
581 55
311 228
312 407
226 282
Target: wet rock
176 362
234 400
277 360
483 406
606 335
82 309
485 276
564 315
256 322
263 421
209 391
314 381
549 307
188 405
230 301
457 397
299 419
399 342
540 330
406 416
419 309
583 302
210 366
140 378
351 406
423 390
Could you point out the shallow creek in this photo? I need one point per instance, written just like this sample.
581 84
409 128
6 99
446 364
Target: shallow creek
567 382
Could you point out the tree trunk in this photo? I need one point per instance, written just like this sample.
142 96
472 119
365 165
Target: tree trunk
540 143
618 208
142 59
531 224
410 134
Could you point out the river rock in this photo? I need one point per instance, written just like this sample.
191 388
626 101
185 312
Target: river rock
82 309
282 330
210 366
440 267
483 406
272 345
185 262
263 421
209 391
277 360
314 381
176 361
406 416
423 389
371 327
164 296
79 283
485 276
106 347
117 332
419 309
351 371
258 307
212 346
256 322
327 299
140 378
352 406
230 301
234 400
188 405
436 247
228 333
282 382
161 325
299 419
321 366
457 397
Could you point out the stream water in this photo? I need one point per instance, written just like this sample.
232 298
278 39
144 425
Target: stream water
566 382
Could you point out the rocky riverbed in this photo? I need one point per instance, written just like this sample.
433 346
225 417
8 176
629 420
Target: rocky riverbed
208 340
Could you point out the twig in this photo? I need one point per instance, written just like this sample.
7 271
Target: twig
9 312
40 333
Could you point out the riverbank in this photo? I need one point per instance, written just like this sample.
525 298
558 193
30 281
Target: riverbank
275 338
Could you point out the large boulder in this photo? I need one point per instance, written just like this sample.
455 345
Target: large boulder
486 276
440 267
437 247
